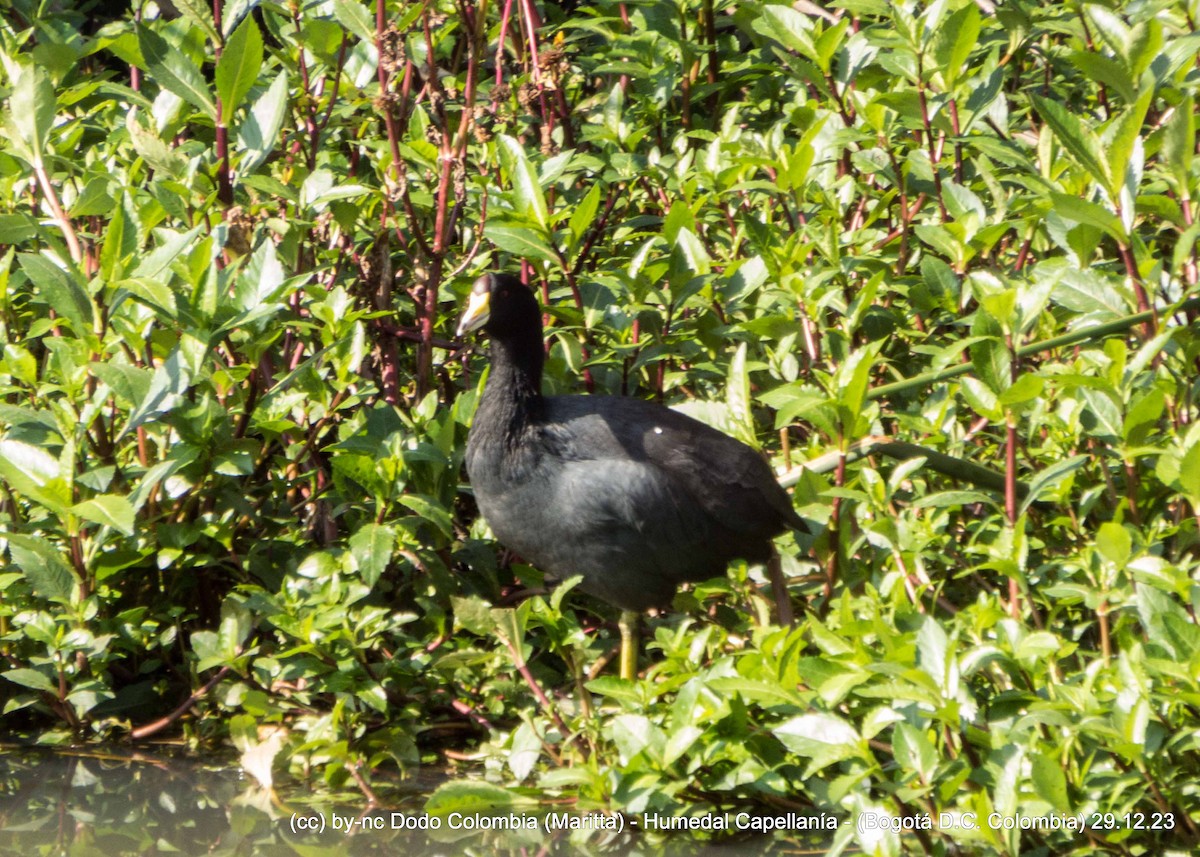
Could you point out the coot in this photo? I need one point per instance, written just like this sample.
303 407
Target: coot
633 496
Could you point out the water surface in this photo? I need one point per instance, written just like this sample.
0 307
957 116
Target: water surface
117 803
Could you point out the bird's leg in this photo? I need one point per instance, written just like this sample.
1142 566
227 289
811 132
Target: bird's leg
783 599
628 623
585 698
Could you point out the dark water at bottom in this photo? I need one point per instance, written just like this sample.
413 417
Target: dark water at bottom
92 803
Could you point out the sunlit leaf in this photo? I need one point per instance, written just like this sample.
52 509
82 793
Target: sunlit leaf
31 112
173 70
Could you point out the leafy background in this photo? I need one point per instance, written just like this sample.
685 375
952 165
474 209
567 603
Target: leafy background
235 239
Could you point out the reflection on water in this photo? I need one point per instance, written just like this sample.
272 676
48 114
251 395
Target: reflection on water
123 803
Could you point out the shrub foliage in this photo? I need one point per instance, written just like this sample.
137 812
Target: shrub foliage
233 243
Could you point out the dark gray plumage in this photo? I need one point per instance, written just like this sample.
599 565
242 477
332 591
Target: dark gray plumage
631 495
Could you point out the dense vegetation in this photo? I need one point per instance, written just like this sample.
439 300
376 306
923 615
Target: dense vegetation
234 240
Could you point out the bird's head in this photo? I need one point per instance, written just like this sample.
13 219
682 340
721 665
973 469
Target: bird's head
500 304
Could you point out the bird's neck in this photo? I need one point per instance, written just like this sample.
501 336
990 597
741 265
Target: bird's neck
513 395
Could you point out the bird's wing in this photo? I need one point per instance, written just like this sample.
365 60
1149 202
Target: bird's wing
732 481
634 515
726 479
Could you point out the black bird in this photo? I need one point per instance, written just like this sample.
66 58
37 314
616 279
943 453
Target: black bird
633 496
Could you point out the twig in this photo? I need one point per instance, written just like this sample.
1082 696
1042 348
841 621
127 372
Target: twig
163 722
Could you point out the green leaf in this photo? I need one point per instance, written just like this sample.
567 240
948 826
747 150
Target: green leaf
737 397
258 283
523 242
472 796
829 42
171 69
611 686
754 690
120 243
1025 389
1115 32
430 510
584 215
936 656
940 281
31 679
953 42
237 459
510 629
1114 543
1085 291
1189 473
981 397
207 647
1102 414
31 113
525 748
679 741
171 244
1106 70
952 499
237 623
238 68
371 546
19 363
1178 142
1076 138
824 738
528 199
993 363
945 240
170 381
679 217
914 752
689 258
259 130
61 290
36 474
322 187
355 18
634 734
474 614
1049 781
833 680
1090 213
788 27
1167 624
1144 412
17 228
1145 49
1038 647
853 382
614 107
199 13
1125 156
108 510
43 565
374 696
748 276
1050 478
1001 307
